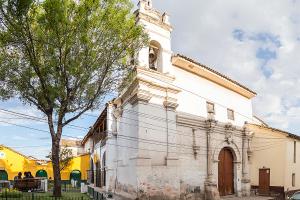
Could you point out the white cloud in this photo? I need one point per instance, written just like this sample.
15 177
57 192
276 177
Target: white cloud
204 31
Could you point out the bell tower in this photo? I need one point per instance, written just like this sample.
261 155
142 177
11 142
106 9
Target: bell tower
157 56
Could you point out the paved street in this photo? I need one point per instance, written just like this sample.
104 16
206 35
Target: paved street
246 198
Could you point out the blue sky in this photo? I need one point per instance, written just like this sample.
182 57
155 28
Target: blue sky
254 42
35 142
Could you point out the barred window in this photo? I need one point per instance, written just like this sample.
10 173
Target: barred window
210 108
230 114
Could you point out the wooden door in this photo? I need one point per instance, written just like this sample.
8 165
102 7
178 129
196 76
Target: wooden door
264 181
225 170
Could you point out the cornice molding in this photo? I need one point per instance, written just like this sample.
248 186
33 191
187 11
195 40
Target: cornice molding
171 103
157 21
190 120
153 73
143 88
140 95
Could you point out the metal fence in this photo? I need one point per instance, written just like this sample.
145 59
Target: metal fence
70 190
67 186
40 196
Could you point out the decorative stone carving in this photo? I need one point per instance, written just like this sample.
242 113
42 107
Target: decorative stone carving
118 112
245 167
196 147
229 133
140 95
210 125
211 189
170 103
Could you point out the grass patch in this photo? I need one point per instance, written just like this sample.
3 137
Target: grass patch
45 196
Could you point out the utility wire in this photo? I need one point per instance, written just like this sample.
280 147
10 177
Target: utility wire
136 139
31 117
35 129
131 124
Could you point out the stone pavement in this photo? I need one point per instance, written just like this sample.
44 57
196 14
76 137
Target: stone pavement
247 198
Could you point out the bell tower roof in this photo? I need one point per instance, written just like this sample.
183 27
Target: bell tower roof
148 13
156 56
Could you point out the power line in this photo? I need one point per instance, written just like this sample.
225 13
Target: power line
77 138
175 131
155 142
35 129
30 117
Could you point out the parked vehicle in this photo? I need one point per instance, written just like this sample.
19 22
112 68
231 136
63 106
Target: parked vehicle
295 196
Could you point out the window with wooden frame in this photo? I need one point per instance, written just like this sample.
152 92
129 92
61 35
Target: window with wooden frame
230 114
295 151
210 108
293 180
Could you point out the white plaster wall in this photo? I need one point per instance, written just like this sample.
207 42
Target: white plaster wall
290 166
88 145
153 133
192 168
202 90
126 147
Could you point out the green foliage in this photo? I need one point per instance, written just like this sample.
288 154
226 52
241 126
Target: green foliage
65 157
64 56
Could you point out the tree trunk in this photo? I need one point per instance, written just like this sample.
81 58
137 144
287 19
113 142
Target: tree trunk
56 167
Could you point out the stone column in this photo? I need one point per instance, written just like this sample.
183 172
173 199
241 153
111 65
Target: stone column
170 105
141 97
245 166
211 189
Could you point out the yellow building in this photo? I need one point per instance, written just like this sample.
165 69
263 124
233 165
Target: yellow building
274 159
13 162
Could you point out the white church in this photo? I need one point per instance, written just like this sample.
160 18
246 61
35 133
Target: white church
177 131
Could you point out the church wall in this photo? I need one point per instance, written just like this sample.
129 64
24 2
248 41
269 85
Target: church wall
192 161
169 127
124 151
185 178
204 90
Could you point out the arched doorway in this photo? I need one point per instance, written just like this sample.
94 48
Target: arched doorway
41 173
75 175
3 175
226 172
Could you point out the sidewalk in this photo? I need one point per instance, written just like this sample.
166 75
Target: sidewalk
247 198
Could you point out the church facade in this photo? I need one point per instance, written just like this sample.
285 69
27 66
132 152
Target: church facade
178 130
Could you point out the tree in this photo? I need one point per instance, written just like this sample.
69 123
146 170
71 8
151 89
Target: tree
65 56
65 157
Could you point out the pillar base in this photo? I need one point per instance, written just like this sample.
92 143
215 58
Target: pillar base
211 191
246 187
